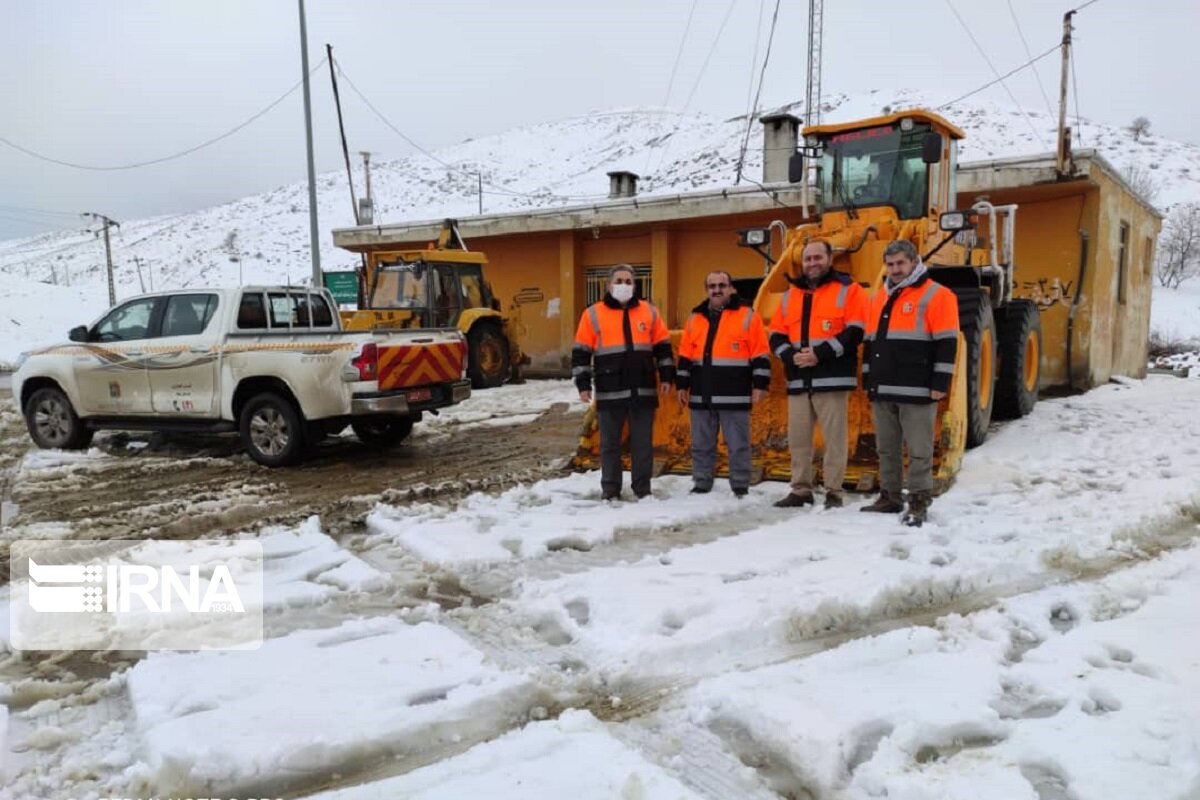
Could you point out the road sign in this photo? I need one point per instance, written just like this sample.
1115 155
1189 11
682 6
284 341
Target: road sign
343 286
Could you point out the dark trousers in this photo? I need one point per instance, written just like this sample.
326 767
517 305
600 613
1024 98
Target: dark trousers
641 446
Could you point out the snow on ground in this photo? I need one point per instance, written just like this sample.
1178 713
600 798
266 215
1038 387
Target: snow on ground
510 404
370 687
531 521
1175 313
573 756
35 314
1086 691
1077 484
303 566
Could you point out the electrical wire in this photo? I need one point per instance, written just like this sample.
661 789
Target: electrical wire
671 82
172 157
992 83
996 72
1075 91
758 96
1020 33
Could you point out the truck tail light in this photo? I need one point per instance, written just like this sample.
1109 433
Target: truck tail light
367 362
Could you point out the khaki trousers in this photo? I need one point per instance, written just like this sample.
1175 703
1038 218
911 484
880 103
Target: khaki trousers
829 410
907 425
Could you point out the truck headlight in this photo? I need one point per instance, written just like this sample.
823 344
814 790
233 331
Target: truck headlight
21 359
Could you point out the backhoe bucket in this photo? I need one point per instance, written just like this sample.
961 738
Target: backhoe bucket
770 458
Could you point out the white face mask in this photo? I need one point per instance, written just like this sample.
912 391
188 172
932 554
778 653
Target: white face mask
622 292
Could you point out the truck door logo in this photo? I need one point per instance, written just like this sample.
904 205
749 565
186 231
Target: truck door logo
114 390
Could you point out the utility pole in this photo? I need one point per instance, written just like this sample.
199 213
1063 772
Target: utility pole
479 175
812 92
141 281
107 223
313 235
366 154
1064 133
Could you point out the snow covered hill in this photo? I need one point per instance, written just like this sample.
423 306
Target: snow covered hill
265 237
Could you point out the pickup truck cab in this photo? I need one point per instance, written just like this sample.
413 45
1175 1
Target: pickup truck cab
271 362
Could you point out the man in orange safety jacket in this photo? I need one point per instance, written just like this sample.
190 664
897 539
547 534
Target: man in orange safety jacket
908 364
623 341
724 367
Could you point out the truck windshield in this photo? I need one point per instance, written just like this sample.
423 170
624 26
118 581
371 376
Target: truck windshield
876 166
401 284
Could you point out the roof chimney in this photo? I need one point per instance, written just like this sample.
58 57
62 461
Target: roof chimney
622 184
781 133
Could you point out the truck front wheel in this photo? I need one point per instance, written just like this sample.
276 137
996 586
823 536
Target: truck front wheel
53 423
382 432
272 430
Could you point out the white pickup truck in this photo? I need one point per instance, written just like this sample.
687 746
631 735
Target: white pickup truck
271 362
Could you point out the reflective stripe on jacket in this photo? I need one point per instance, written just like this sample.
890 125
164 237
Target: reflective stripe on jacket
830 318
911 342
623 346
720 364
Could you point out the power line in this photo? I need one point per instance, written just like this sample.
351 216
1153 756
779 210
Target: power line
1075 91
671 83
172 157
38 211
1020 33
996 72
703 67
450 167
758 95
989 84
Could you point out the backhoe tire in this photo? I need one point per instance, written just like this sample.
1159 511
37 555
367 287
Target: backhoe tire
979 333
382 432
1019 327
272 430
53 423
487 356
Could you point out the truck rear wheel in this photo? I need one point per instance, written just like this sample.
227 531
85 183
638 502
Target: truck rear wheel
1020 335
382 432
53 423
487 356
272 430
979 333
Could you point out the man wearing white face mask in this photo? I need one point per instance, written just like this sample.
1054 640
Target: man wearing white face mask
624 341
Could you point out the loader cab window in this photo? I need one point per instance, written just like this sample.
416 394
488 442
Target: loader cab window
471 286
400 284
875 167
447 305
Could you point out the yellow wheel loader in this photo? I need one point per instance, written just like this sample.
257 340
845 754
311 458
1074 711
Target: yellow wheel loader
442 287
876 181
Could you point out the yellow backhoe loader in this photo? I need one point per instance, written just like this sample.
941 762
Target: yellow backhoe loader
878 180
442 287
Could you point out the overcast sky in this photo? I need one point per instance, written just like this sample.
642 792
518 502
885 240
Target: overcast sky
110 82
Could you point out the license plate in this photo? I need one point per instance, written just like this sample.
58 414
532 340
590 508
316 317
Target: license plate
418 395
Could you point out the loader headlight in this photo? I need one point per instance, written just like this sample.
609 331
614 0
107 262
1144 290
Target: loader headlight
906 124
753 237
955 221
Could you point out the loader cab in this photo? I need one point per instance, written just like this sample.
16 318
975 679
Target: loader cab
433 291
902 161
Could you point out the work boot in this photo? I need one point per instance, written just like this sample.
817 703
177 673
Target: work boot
804 497
884 504
740 491
606 496
700 490
833 500
918 509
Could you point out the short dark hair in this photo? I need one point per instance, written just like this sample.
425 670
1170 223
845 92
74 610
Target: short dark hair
828 247
728 277
901 247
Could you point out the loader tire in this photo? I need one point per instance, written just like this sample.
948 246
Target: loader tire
487 356
1019 327
979 334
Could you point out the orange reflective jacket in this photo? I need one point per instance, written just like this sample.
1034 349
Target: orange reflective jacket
830 318
911 342
719 364
623 345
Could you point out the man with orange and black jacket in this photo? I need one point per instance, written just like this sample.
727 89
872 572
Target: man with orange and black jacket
908 363
724 367
626 340
816 332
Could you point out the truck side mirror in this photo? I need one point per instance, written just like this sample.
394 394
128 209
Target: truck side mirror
78 334
796 168
931 148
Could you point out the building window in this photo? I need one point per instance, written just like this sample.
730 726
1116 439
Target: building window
597 282
1123 263
1148 265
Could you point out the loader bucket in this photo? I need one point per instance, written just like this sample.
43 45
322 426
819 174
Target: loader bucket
770 458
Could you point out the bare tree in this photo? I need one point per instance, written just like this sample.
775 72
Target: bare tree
1139 127
1142 181
1178 256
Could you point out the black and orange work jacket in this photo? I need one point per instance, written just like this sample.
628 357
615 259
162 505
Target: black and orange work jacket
623 346
719 364
830 317
911 342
